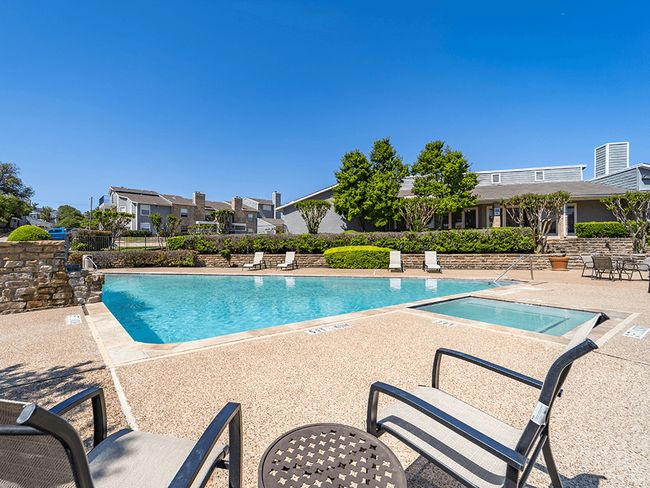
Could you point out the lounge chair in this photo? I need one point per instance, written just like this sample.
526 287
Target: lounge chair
39 448
258 262
430 262
587 263
644 266
467 443
289 261
395 261
602 265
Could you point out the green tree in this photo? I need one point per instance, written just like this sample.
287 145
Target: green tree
11 184
222 219
444 174
388 172
418 212
351 191
632 210
70 217
46 213
538 211
313 212
172 224
12 206
114 222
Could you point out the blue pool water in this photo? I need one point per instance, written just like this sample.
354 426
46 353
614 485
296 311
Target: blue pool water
163 309
536 318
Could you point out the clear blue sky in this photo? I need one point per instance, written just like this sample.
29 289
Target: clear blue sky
244 98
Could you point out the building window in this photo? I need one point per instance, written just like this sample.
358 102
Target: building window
267 207
539 176
250 217
144 209
470 221
122 209
250 231
496 178
571 220
183 228
183 212
145 226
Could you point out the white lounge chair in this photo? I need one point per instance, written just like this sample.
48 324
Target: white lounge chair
258 262
588 263
431 262
644 266
289 261
395 261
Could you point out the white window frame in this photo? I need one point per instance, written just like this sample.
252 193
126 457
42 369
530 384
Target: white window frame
121 209
145 210
539 173
184 211
495 178
251 217
145 226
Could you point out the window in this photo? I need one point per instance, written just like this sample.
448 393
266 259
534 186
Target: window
539 176
457 220
470 218
183 212
267 207
496 178
490 216
250 231
250 217
145 226
122 209
183 228
571 220
144 210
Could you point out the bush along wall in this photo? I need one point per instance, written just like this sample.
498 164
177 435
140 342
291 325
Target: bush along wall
601 229
465 241
357 257
139 259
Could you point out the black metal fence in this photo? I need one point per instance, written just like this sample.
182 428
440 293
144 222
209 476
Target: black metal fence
105 243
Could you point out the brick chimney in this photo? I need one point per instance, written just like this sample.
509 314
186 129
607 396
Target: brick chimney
199 200
236 204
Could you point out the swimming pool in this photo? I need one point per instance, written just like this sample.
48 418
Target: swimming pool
164 309
536 318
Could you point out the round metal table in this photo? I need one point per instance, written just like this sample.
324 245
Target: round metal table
328 456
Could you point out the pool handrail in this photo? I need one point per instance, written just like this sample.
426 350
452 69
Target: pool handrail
513 264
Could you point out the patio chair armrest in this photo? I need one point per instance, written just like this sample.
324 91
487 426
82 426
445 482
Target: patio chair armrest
510 456
435 377
96 395
229 416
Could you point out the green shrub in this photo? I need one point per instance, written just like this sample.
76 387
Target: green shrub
139 259
349 231
357 257
29 233
601 229
496 240
136 233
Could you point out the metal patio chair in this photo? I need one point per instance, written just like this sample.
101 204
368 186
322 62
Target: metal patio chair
587 263
289 261
258 262
395 261
38 448
430 262
602 265
467 443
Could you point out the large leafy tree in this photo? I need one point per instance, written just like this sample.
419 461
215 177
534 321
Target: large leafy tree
71 217
444 174
388 172
11 206
632 210
351 192
11 184
313 212
46 213
538 211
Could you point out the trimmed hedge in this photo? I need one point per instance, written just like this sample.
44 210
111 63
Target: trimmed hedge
29 233
601 229
357 257
138 259
136 233
462 241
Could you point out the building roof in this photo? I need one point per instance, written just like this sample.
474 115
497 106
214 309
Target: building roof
217 206
261 200
631 168
176 200
581 166
273 221
311 195
120 189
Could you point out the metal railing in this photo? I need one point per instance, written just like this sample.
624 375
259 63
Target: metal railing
530 256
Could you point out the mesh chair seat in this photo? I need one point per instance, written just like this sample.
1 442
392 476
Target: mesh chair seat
134 458
449 448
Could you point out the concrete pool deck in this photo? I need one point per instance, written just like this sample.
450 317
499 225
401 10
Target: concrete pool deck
600 429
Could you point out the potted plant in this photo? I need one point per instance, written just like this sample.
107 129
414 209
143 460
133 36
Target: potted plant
559 263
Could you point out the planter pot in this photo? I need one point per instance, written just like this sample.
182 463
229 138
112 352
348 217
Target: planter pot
559 263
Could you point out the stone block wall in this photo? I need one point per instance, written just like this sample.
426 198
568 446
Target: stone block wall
33 276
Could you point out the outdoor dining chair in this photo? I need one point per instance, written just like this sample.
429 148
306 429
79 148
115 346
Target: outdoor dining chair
258 262
467 443
602 265
40 448
395 261
587 263
430 262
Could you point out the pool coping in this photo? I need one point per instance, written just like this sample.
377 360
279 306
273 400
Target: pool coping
119 348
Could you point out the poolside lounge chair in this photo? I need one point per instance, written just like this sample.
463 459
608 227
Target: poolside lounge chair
587 263
258 262
395 261
430 262
40 448
644 266
289 261
603 264
467 443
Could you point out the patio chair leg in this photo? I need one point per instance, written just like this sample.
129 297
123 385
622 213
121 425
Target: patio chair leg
550 464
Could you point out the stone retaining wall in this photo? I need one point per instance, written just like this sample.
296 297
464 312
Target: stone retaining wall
33 276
